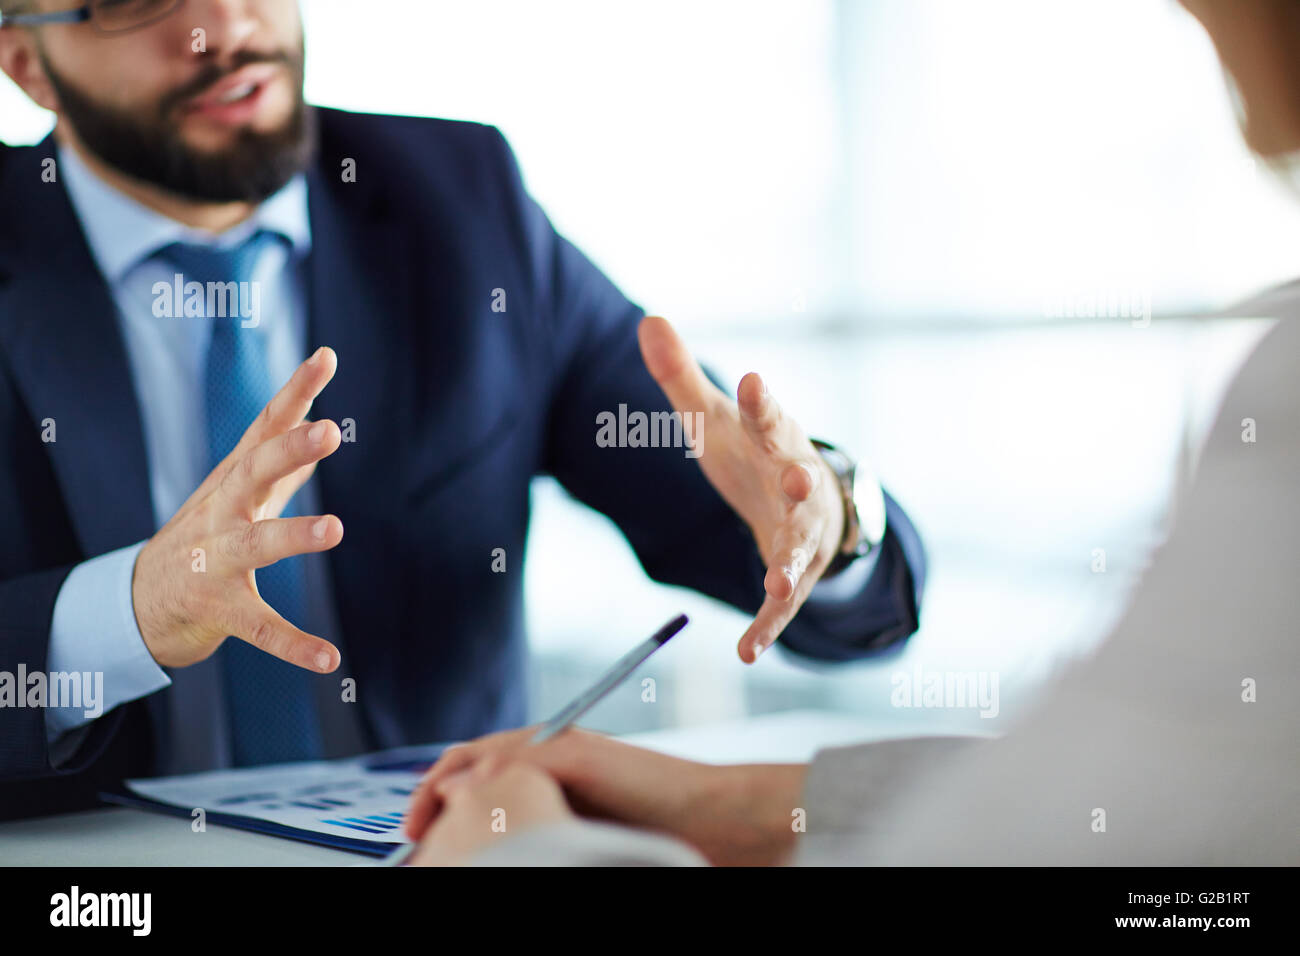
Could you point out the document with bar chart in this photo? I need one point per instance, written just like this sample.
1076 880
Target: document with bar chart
356 803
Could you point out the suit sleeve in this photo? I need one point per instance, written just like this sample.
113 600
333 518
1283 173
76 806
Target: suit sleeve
849 792
27 602
26 608
680 528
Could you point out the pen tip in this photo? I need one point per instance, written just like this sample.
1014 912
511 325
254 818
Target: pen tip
672 627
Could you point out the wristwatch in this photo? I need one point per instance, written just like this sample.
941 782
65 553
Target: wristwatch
864 507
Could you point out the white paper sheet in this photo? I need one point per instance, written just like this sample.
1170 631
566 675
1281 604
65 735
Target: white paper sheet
361 798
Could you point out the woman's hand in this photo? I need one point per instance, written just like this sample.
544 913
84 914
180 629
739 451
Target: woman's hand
731 814
487 804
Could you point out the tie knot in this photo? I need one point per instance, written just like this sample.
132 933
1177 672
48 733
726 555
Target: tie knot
206 264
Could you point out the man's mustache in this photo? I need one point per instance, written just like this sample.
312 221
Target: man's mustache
215 73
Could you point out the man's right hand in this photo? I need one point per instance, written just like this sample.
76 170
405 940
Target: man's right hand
184 614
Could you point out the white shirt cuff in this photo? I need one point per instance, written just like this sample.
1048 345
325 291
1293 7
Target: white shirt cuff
94 634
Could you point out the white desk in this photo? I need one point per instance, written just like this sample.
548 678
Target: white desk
118 836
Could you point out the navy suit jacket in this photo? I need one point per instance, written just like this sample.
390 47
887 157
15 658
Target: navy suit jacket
457 408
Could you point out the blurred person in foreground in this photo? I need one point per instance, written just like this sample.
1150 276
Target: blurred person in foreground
1161 730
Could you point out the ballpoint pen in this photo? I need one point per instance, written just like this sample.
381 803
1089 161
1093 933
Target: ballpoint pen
588 699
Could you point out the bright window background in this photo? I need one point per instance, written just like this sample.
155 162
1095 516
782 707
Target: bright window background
876 203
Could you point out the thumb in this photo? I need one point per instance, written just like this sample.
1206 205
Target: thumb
673 367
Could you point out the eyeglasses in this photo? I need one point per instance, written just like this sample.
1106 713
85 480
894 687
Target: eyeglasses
105 16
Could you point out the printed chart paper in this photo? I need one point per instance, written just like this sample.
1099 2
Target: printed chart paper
360 798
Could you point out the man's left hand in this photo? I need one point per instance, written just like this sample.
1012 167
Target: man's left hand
765 467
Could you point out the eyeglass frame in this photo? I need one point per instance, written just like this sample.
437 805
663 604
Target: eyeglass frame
82 14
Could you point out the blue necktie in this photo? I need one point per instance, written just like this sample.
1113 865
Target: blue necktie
272 714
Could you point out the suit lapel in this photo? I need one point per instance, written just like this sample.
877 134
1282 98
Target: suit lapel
58 325
359 299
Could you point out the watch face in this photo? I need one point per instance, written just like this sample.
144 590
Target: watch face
870 504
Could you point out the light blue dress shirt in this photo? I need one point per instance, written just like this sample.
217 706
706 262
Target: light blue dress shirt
94 626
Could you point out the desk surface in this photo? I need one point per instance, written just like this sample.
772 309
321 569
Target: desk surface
117 836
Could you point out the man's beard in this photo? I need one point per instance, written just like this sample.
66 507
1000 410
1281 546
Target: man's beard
149 147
